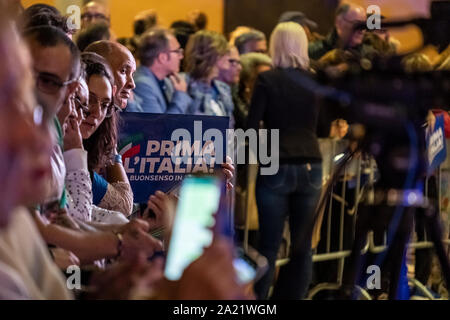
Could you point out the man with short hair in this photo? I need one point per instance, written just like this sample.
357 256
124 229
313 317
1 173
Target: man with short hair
251 41
198 19
299 17
94 12
159 88
56 65
343 35
144 21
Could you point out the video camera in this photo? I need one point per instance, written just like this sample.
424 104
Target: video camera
387 102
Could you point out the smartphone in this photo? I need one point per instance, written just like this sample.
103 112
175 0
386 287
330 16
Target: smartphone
250 266
202 211
194 221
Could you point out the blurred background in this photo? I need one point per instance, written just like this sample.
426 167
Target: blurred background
225 15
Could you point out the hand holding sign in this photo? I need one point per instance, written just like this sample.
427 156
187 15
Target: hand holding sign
158 213
228 169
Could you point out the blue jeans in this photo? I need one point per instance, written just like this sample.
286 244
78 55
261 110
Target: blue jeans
293 192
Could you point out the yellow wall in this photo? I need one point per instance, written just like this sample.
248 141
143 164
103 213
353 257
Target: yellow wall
168 11
27 3
123 11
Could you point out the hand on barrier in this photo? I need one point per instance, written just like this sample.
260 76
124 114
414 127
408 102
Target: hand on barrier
229 170
136 240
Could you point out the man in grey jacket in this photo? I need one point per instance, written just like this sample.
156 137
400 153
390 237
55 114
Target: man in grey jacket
159 88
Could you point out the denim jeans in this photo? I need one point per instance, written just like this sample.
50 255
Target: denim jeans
292 193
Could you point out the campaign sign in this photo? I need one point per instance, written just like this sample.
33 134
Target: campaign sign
158 150
436 145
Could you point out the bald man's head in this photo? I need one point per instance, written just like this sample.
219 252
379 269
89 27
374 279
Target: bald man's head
347 16
122 64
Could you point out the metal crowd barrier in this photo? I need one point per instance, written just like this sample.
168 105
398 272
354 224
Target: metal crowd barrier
332 150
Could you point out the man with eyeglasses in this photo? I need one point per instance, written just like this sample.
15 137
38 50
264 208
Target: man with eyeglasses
94 12
343 35
159 87
56 63
231 75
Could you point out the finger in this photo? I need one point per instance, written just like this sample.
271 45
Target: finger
174 80
73 124
155 209
228 174
159 193
140 224
74 259
152 243
157 245
229 167
230 186
160 201
177 77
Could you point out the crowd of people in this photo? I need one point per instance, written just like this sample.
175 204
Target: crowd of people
66 199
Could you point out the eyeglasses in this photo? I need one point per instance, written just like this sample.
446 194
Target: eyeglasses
84 108
355 22
106 106
50 83
92 16
234 62
360 24
179 51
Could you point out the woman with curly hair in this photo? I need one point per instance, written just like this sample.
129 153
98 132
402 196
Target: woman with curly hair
110 185
206 52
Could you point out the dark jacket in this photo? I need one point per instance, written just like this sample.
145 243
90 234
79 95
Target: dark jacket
319 48
285 99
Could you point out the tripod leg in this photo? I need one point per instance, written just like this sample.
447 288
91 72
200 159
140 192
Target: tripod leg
352 267
397 251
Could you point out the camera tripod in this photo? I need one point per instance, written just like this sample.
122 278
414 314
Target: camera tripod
392 204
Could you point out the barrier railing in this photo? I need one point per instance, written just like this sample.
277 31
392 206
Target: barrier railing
357 168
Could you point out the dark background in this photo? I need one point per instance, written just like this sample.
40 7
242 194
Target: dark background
264 14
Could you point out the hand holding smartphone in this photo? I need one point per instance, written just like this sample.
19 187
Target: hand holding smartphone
201 214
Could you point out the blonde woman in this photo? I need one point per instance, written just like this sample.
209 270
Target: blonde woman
283 99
